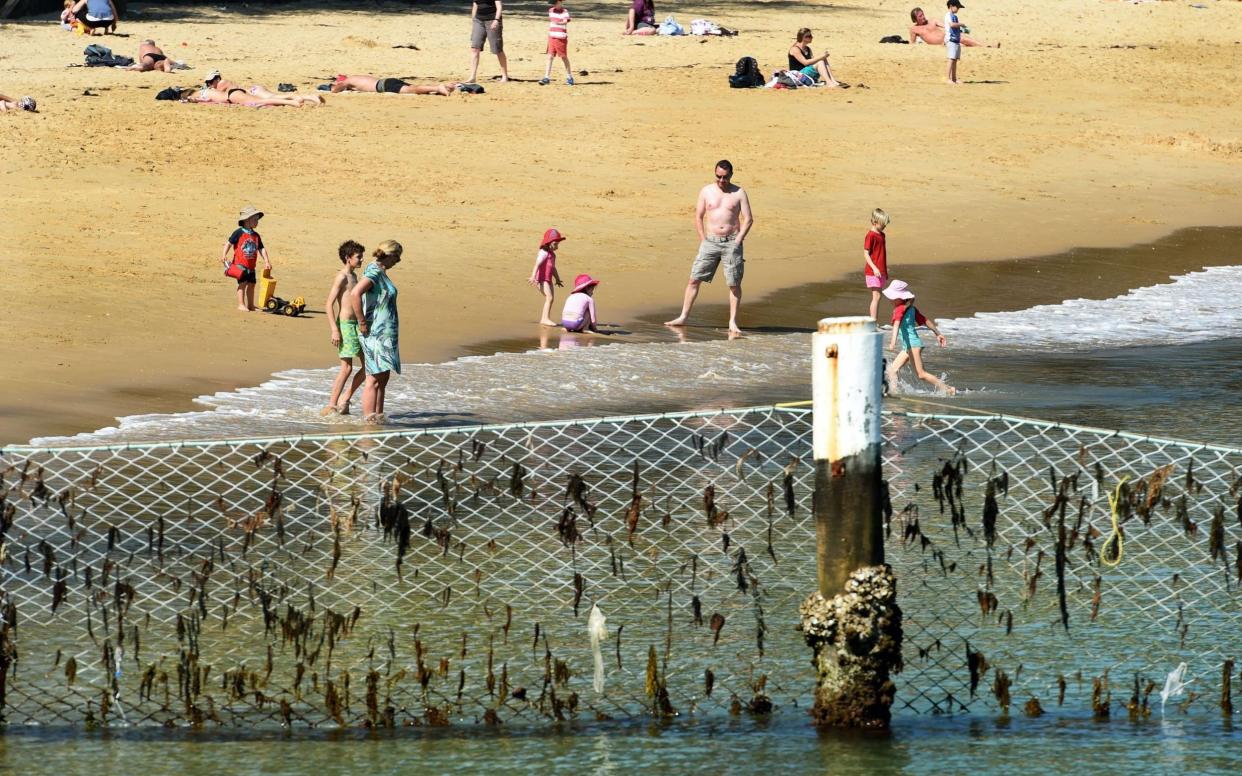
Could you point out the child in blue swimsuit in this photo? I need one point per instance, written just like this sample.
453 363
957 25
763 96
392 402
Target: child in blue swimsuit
906 320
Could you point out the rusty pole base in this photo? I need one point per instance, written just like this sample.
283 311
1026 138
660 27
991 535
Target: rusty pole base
856 639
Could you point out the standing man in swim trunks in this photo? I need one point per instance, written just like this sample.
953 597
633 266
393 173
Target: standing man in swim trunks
728 221
485 23
343 323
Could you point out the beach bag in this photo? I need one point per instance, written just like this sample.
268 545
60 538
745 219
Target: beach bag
747 74
670 27
171 93
102 56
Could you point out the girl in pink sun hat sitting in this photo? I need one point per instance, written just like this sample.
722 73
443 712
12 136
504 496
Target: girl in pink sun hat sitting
579 312
906 320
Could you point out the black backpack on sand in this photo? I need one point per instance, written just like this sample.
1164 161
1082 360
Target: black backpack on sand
748 74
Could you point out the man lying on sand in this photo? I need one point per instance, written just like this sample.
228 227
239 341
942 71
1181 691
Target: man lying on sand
151 57
370 83
25 103
932 32
238 96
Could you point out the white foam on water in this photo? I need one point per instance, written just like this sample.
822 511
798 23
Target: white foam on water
578 379
1195 307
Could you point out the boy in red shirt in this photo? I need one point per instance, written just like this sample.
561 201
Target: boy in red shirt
245 244
875 254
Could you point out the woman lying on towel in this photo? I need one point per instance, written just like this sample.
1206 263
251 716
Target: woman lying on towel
210 96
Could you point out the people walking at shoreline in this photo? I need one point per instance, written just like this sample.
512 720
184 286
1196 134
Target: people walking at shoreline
558 42
726 209
544 274
246 246
487 23
374 302
343 327
906 320
875 256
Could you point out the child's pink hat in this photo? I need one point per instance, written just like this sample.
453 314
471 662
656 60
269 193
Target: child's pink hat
583 282
898 289
551 236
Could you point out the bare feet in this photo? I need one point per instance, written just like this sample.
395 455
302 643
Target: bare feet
326 411
546 322
343 408
950 390
244 309
374 418
678 321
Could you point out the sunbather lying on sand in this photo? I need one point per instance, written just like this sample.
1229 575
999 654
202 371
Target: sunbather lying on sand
369 83
217 83
239 96
25 103
931 32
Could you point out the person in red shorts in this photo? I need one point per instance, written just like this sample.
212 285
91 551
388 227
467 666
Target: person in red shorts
558 42
246 245
875 254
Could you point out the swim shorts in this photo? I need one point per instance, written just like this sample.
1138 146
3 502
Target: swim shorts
876 281
389 85
247 276
558 47
350 346
953 50
481 29
713 250
574 326
811 71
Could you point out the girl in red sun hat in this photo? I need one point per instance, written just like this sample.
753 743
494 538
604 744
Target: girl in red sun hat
544 273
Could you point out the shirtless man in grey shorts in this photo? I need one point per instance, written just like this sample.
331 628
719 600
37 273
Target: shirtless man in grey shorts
729 219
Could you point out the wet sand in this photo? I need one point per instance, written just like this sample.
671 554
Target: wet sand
116 206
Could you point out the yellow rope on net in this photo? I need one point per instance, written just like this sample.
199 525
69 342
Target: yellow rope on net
1116 538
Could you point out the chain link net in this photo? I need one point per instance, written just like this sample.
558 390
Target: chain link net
448 576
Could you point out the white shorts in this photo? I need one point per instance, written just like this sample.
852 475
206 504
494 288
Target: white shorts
953 50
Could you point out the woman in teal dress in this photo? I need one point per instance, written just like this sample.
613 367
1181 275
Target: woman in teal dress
375 304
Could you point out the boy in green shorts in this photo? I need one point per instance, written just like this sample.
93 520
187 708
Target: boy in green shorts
344 327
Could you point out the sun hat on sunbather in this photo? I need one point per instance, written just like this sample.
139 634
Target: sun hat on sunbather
213 75
898 289
551 236
248 212
583 282
28 103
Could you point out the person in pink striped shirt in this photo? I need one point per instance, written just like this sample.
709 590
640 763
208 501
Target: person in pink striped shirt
558 42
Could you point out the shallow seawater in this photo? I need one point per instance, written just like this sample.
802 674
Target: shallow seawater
915 745
1156 360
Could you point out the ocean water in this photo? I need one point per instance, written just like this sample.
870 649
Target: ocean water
1156 360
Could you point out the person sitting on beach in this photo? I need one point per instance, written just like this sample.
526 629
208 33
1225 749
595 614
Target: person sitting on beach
68 19
800 59
640 20
100 15
239 96
370 83
25 103
906 320
931 32
151 57
579 312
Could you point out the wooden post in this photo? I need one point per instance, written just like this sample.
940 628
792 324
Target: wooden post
852 623
846 381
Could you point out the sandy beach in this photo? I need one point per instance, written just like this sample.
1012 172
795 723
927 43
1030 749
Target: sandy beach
1095 124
